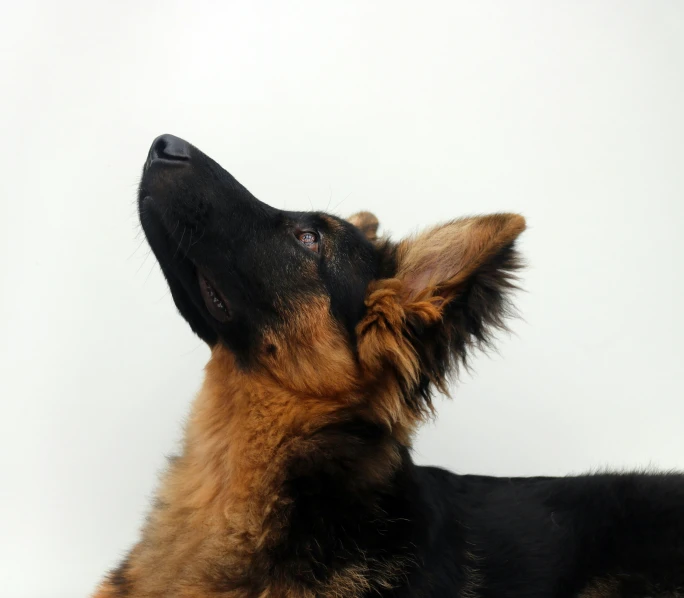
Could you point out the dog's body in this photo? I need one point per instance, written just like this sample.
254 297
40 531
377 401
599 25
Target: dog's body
296 478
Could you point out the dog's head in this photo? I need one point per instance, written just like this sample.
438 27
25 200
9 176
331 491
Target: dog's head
316 301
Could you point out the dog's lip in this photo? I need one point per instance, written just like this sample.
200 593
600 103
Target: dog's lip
214 300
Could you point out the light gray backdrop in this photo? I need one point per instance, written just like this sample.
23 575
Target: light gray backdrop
568 112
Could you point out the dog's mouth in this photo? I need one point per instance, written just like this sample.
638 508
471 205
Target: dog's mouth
216 303
194 290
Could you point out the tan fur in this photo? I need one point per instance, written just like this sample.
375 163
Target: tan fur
441 259
601 588
473 578
610 587
386 354
367 222
221 504
308 333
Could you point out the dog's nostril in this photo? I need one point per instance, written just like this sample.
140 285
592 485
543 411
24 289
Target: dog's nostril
170 147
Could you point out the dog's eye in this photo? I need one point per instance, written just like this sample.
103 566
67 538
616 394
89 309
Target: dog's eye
309 239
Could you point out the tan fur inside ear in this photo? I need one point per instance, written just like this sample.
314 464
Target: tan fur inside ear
367 223
387 355
439 261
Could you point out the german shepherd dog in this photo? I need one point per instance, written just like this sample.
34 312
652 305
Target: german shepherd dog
296 479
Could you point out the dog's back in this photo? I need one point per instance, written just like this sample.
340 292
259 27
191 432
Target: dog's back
597 535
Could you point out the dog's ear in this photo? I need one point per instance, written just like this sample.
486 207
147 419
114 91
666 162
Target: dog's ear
439 263
450 291
367 223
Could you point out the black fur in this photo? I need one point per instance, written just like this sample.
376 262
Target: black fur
201 218
119 579
482 536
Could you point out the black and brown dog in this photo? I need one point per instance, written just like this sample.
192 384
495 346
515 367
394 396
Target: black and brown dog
296 478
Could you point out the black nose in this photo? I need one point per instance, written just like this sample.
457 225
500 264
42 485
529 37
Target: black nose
171 148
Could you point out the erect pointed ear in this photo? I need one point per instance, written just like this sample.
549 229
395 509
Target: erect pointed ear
449 292
440 262
367 223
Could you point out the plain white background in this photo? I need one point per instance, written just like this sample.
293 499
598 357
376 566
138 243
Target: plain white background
568 112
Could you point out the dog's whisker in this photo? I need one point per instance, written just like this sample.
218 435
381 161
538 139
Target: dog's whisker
329 198
189 245
136 249
334 210
149 273
197 346
165 294
179 244
198 238
147 255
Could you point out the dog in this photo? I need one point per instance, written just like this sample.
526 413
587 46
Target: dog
327 342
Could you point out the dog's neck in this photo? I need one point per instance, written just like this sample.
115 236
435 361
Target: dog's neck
279 495
257 457
242 429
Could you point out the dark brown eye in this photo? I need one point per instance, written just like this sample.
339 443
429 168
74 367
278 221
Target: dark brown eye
309 239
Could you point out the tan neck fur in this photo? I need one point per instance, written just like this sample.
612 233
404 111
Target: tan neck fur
214 501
